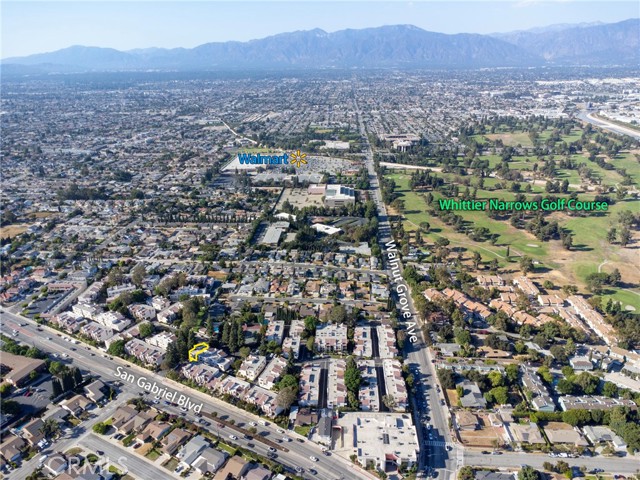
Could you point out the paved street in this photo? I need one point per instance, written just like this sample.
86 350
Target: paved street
427 402
612 465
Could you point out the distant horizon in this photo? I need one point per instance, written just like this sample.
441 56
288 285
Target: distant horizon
127 26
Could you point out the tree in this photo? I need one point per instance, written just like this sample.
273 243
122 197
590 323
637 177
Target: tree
612 234
389 402
146 329
500 395
565 387
558 353
286 397
545 374
56 387
528 473
117 348
100 428
77 376
338 314
447 378
352 376
138 274
56 367
462 336
466 473
287 381
625 236
496 378
526 264
588 383
477 258
50 428
172 357
511 371
610 390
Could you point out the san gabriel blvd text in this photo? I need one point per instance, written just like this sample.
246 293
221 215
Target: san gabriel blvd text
169 395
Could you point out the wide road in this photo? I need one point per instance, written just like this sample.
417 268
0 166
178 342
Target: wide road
612 465
104 366
426 400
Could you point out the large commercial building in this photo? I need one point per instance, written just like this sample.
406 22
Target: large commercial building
385 441
338 196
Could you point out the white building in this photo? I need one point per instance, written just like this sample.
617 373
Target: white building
331 338
272 373
275 331
113 320
338 196
252 366
384 441
161 340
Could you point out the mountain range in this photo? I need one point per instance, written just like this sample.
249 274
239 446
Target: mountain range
398 46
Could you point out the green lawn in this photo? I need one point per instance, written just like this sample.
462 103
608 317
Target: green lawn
153 454
628 161
592 248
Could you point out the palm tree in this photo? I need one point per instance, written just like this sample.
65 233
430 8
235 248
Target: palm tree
50 428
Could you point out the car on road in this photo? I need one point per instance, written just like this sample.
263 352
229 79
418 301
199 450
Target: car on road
299 469
99 452
484 452
496 453
312 471
272 455
280 430
233 437
49 338
271 449
313 459
253 424
251 445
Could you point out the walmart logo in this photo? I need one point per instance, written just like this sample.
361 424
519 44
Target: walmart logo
297 159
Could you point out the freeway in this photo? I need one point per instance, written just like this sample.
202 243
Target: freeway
104 366
426 401
589 117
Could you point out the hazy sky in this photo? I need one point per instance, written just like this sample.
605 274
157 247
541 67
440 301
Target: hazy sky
34 27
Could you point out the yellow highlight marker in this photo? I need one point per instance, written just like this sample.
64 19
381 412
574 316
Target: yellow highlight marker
196 350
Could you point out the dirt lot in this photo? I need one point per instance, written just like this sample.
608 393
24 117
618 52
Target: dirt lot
298 197
12 230
452 396
483 437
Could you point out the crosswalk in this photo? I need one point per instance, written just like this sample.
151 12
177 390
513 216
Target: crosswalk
436 443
